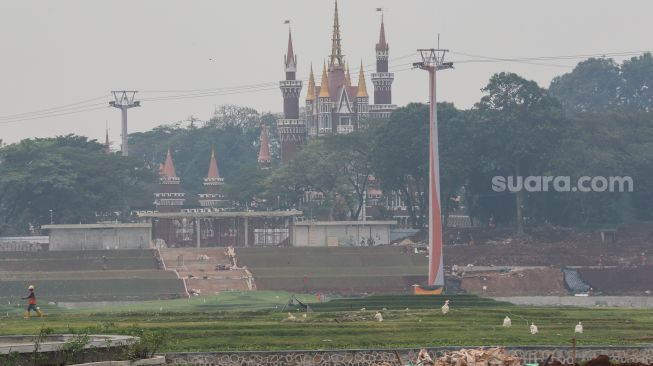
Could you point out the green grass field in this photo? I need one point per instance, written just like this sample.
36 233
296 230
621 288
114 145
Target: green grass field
254 321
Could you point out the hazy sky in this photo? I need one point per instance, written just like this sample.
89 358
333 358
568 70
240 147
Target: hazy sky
56 53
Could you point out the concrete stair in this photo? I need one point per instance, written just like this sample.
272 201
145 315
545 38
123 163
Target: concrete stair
200 273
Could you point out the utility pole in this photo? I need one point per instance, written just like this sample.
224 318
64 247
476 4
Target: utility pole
433 61
124 100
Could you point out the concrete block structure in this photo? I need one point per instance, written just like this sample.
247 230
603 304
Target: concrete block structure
99 236
342 233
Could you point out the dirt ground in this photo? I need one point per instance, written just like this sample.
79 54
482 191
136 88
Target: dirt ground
550 246
620 281
517 282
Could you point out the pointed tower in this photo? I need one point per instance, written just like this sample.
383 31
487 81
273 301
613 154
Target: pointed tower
264 160
212 183
336 76
362 99
336 59
169 197
292 131
107 144
311 106
382 78
325 106
347 76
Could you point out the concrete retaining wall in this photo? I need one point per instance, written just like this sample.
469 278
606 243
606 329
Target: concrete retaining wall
582 301
99 236
395 357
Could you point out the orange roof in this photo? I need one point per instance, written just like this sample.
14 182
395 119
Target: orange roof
169 166
362 88
324 84
213 167
310 93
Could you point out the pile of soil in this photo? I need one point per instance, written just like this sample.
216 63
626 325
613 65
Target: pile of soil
550 246
620 281
518 282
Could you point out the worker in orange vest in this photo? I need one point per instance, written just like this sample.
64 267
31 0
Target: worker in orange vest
31 303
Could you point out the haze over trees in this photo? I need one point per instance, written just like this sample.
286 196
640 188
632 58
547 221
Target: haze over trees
596 120
70 175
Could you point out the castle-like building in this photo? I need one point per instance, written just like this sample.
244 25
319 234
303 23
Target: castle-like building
335 105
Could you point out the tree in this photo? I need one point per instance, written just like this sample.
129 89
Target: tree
235 148
607 145
400 158
519 128
70 175
600 84
336 166
593 86
637 91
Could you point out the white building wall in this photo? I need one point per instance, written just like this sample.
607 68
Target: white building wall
345 234
105 238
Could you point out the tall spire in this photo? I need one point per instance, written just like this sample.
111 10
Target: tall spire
347 76
310 93
290 58
382 45
214 173
337 58
362 88
169 166
324 84
264 160
107 144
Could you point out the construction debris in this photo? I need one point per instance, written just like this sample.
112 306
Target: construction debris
471 357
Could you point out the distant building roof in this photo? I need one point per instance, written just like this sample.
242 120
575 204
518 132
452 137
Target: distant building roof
346 223
97 226
222 214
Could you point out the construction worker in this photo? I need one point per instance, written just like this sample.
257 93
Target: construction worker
31 303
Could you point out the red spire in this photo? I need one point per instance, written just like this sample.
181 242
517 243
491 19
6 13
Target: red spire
213 167
169 166
264 151
382 45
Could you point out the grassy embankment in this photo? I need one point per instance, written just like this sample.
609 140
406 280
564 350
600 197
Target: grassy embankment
254 321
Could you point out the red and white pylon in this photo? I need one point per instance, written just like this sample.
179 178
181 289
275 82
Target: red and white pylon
433 61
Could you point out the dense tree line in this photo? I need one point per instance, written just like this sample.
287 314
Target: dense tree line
517 129
596 120
600 84
67 179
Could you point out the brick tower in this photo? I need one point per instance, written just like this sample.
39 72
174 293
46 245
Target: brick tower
382 78
292 130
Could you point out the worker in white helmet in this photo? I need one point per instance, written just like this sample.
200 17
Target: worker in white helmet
31 303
